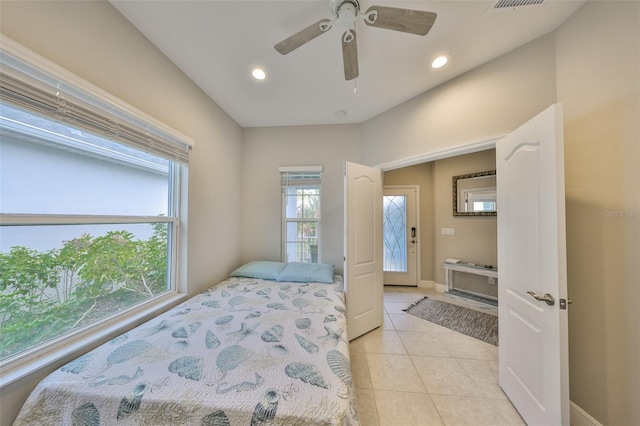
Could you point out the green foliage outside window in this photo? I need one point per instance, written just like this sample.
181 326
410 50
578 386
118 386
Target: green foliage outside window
46 294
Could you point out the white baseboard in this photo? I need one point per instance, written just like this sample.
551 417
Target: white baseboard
440 287
426 284
432 284
579 417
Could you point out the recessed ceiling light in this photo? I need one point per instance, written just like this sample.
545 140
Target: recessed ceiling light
259 73
440 61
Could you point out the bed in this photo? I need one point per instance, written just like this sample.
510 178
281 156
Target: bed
267 346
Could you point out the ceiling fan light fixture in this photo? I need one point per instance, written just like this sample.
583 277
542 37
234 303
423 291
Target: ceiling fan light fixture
439 61
258 73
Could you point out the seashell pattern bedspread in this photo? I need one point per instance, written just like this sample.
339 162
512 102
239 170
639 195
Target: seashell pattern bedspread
244 352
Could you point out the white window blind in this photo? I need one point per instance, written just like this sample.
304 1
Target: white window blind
57 94
300 176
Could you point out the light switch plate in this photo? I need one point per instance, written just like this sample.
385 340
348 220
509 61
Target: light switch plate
448 231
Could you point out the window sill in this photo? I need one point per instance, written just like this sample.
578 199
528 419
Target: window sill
76 344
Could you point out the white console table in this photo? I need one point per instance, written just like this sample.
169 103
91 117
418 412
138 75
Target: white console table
465 267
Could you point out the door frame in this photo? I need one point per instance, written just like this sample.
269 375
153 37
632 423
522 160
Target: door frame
418 237
469 148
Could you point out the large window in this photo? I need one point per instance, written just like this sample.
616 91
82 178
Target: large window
300 213
89 206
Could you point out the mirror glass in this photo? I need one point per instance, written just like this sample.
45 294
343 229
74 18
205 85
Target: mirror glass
475 194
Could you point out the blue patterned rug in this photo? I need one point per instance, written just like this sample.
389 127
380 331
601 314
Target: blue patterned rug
476 324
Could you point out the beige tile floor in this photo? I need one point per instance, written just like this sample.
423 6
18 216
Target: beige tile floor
413 372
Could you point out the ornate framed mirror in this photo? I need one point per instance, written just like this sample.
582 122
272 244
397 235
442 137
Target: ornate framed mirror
474 194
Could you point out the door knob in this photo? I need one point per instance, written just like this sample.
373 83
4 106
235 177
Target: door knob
547 298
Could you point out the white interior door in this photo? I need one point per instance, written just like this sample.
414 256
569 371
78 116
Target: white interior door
400 235
533 353
363 248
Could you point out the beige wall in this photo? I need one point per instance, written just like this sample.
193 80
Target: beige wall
264 150
489 101
476 237
93 41
598 76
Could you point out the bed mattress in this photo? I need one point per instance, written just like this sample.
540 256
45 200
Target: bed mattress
244 352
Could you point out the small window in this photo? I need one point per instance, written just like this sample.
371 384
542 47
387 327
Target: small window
480 200
301 213
89 206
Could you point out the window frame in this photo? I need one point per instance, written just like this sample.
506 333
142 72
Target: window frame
286 220
49 354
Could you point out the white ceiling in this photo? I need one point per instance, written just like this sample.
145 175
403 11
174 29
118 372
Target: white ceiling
217 43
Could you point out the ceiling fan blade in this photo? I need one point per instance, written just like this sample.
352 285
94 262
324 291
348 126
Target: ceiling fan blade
303 36
350 55
406 20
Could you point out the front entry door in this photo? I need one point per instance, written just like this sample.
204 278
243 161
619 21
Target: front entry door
400 233
363 248
533 353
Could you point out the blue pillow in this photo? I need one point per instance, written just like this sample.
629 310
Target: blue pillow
303 272
261 269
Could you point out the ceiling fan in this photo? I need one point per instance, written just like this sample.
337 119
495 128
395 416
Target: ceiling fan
345 12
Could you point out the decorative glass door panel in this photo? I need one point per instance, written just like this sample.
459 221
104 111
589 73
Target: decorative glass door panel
400 251
395 233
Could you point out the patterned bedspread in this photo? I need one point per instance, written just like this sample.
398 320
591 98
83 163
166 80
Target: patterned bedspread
244 352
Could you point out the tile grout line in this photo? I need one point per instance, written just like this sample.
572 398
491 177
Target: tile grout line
427 389
408 298
451 356
418 372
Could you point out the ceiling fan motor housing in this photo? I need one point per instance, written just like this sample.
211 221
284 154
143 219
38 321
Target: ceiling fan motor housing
346 11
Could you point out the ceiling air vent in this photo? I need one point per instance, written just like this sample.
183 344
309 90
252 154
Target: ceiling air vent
503 5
